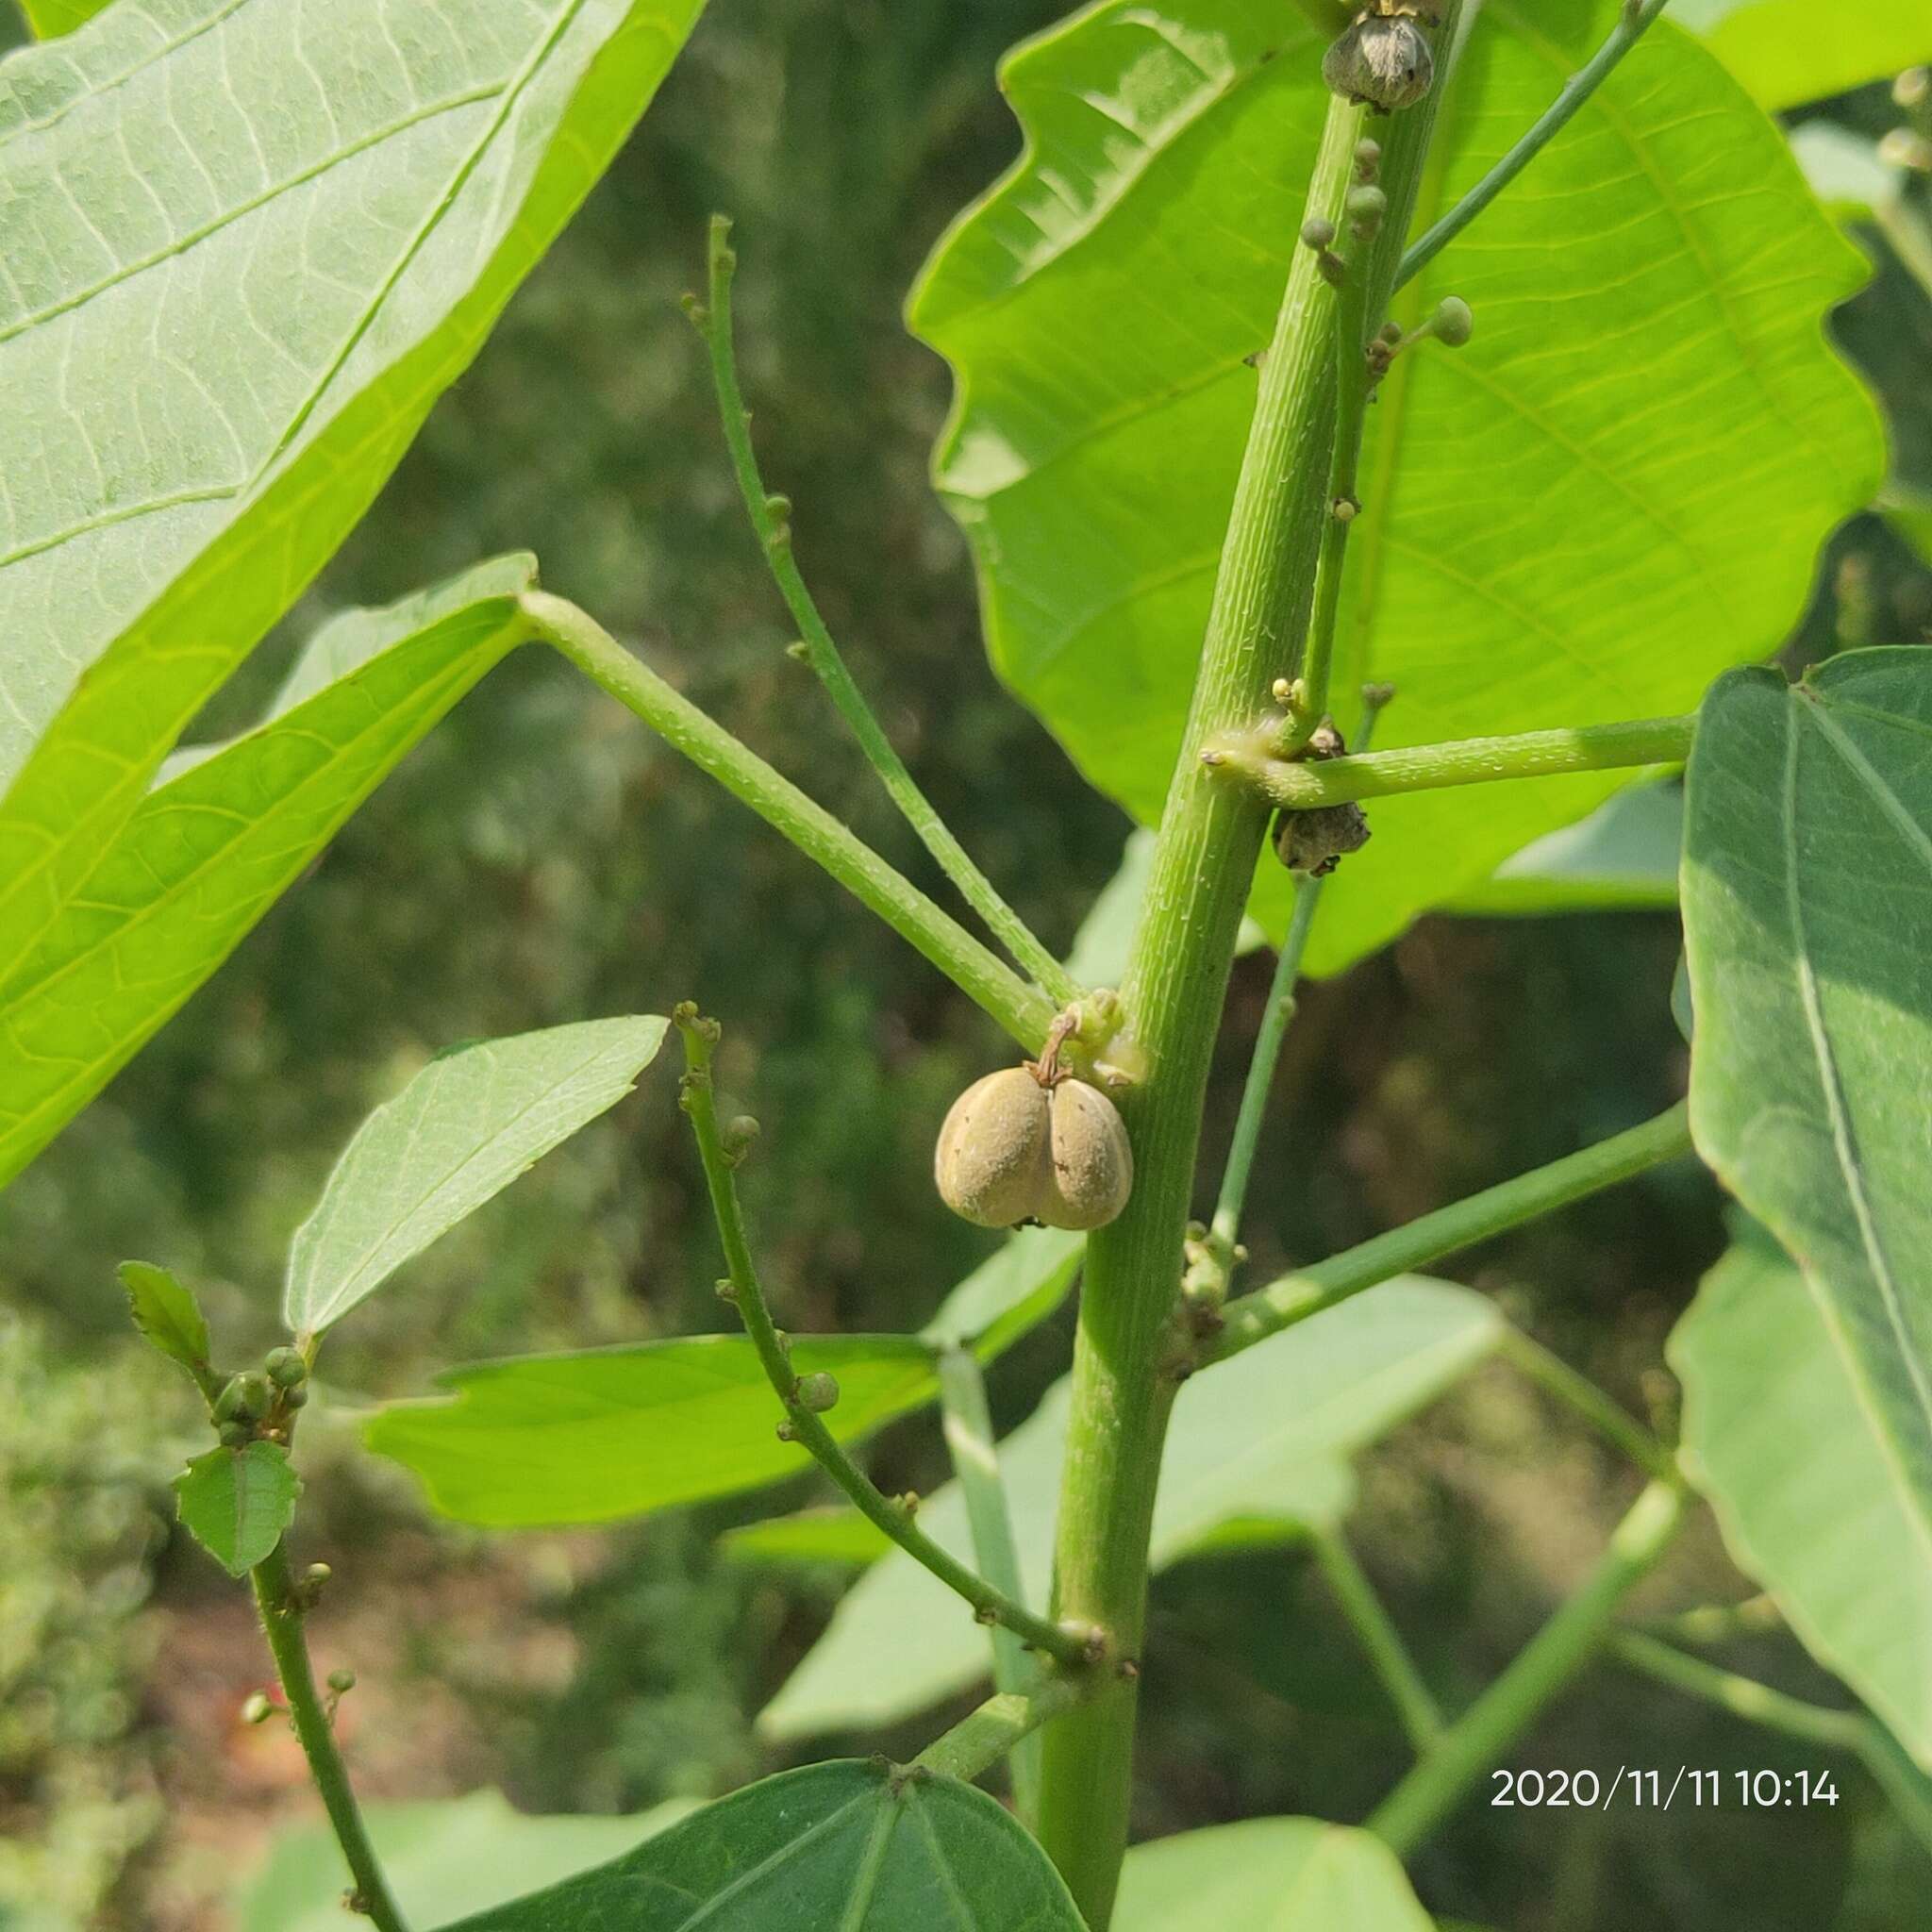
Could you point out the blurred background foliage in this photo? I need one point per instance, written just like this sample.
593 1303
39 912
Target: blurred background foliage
540 860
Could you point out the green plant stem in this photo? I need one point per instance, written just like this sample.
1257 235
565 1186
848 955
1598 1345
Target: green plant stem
1297 785
1380 1640
967 1425
1637 18
1487 1729
1810 1723
1023 1010
1293 1298
1610 1420
1756 1616
1275 1019
803 1425
770 520
281 1621
1130 1349
985 1736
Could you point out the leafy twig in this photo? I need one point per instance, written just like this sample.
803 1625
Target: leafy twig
1546 1664
806 1400
975 1463
988 980
1298 784
276 1595
1635 21
769 519
985 1736
1253 1318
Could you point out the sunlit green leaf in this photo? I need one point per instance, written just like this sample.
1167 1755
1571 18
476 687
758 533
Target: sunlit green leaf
591 1434
1816 1501
1807 899
1622 858
840 1847
1258 1447
207 853
46 18
270 240
167 1313
236 1502
1544 540
1788 51
442 1860
460 1132
1268 1874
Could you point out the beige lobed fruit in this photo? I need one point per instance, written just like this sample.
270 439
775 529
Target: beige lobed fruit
1023 1144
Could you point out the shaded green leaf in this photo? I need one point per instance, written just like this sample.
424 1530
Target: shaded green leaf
1622 858
1815 1502
236 1502
1267 1874
460 1132
207 853
1807 899
1256 1448
603 1433
1543 544
1788 51
839 1847
837 1535
461 1855
167 1313
591 1435
1100 947
271 247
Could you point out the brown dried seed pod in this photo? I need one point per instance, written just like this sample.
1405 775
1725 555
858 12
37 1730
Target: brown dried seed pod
1382 62
995 1161
1092 1169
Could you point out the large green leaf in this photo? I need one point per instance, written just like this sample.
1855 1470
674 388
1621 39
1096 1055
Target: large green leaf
269 240
1788 51
1803 1471
1260 1440
839 1847
1615 491
442 1860
46 18
461 1131
591 1434
1267 1874
238 1502
1622 857
207 854
1808 902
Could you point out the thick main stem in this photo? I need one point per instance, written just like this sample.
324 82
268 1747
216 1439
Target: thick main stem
281 1622
1129 1354
1479 1738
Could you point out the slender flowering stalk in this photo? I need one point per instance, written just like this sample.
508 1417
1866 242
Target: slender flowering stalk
1297 785
1293 1298
1636 19
803 1404
276 1598
770 520
985 979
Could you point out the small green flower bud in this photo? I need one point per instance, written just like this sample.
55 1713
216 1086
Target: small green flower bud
236 1435
316 1575
244 1399
738 1137
1453 322
257 1710
296 1397
1366 207
818 1393
1368 159
286 1367
341 1682
1317 233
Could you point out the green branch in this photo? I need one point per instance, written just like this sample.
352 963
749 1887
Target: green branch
806 1399
1484 1733
281 1622
1615 1424
769 519
981 1739
968 1426
1380 1640
1296 784
1293 1298
1635 21
1023 1010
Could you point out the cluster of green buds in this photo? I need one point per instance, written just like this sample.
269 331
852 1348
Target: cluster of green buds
1384 59
261 1402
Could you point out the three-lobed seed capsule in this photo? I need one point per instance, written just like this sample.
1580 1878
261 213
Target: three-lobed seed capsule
1018 1147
